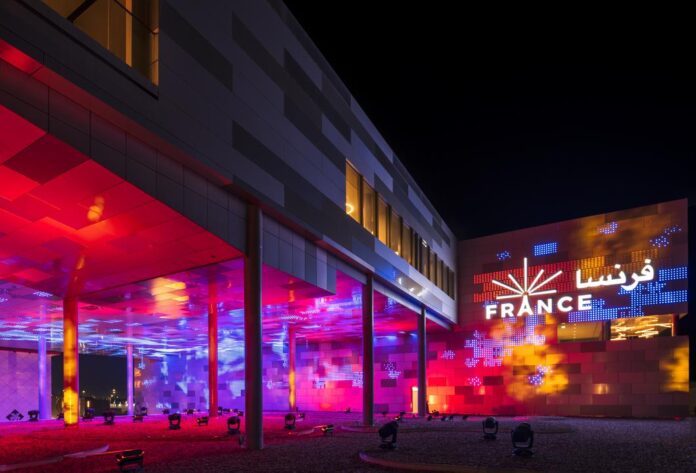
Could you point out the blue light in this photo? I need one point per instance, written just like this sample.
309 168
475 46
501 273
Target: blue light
608 228
672 274
503 255
545 248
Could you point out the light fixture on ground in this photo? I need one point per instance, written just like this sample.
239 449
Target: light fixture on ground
109 417
233 425
131 459
203 420
174 421
33 416
523 440
89 414
490 428
290 420
390 429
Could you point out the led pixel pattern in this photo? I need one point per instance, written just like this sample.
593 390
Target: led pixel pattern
545 249
516 366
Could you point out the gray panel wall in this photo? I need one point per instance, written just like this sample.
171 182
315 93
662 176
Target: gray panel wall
247 96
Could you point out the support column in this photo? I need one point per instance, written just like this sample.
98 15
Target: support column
44 373
212 352
71 371
368 351
253 365
129 379
292 380
422 360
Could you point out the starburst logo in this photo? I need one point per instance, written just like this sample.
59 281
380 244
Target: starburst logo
524 290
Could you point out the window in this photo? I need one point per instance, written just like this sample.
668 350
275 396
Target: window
648 326
395 232
368 205
433 267
581 332
127 28
382 221
406 244
352 193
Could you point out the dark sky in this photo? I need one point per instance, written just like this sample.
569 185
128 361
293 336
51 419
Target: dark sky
509 119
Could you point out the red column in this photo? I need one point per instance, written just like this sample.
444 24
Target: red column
253 363
71 372
292 386
422 360
212 352
368 351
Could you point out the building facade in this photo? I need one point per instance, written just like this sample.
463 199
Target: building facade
190 186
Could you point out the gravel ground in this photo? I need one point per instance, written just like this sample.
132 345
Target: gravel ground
561 445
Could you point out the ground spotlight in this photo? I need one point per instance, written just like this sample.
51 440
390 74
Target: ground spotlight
33 416
89 414
327 429
130 458
109 417
290 420
174 421
390 429
203 420
233 425
523 440
490 428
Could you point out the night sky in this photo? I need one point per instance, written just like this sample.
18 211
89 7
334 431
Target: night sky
509 119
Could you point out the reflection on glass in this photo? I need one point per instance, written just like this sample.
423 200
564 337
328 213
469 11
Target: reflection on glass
407 250
395 232
368 204
352 193
127 28
382 221
648 326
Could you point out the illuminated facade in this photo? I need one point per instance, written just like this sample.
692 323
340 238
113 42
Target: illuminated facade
177 191
575 318
206 201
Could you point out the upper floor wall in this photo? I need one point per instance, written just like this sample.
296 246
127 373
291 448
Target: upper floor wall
247 101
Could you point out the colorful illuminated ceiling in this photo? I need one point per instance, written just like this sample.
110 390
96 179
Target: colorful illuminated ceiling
70 227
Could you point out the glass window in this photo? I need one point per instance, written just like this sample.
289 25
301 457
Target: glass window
395 232
127 28
382 221
648 326
425 265
406 244
433 267
580 332
352 192
368 205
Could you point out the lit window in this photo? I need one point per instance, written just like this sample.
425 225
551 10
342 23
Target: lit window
382 220
406 245
368 205
580 332
648 326
352 193
127 28
395 232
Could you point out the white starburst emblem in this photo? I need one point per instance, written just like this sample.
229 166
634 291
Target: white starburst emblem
523 291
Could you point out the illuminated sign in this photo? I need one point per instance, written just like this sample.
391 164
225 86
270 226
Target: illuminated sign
539 287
